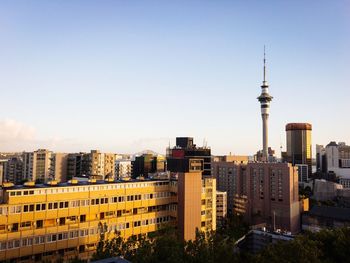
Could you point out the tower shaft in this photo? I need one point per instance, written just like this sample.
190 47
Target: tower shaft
265 120
265 98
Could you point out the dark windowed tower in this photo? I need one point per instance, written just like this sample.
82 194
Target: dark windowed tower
186 156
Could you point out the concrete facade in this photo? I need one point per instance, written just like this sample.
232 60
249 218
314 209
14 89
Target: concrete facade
262 192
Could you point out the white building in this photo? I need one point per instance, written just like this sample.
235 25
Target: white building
122 168
335 158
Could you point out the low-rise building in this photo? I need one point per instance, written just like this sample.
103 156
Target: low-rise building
323 217
256 240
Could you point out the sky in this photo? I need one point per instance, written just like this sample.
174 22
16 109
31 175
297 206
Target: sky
125 76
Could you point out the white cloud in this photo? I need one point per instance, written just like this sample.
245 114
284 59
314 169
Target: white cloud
11 130
17 136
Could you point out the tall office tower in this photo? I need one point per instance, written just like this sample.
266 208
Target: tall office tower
36 165
265 99
299 152
147 164
186 150
264 193
189 164
321 162
13 170
59 167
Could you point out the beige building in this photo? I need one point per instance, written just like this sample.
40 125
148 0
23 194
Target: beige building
101 164
265 193
2 175
232 158
59 167
36 165
221 207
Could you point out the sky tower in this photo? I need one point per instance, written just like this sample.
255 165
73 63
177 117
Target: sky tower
265 99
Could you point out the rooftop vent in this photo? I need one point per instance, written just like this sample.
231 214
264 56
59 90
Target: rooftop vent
52 183
29 184
73 181
7 185
92 181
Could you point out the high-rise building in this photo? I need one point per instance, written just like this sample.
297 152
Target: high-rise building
2 170
13 170
36 165
76 165
178 157
221 207
265 98
122 168
59 167
299 148
147 164
335 158
95 164
262 192
192 167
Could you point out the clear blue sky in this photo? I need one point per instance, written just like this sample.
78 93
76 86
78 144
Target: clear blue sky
124 76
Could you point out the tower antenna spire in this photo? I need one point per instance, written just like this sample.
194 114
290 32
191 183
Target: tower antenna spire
264 65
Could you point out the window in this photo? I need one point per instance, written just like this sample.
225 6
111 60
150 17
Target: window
82 218
39 224
31 208
3 246
26 224
74 234
15 227
62 221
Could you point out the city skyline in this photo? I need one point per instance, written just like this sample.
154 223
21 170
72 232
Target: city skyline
124 78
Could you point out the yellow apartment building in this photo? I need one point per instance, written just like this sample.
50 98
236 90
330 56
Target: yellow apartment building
44 222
